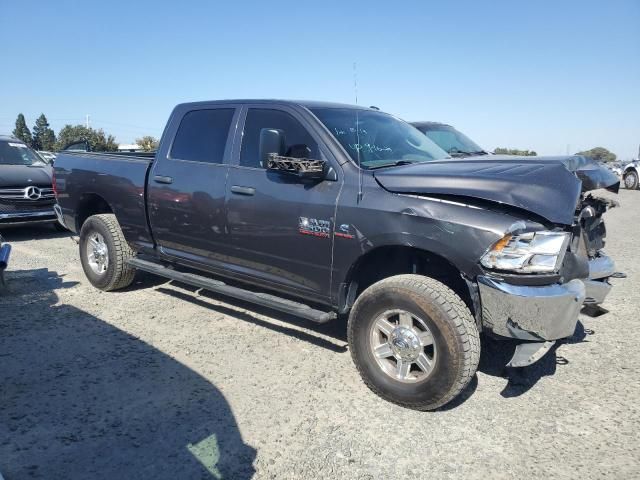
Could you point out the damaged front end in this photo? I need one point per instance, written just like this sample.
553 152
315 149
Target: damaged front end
540 309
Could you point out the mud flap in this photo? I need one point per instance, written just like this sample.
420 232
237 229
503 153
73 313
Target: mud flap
528 353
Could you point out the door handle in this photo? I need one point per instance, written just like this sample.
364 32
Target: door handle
243 190
162 179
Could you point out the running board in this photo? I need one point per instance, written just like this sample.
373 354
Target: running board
263 299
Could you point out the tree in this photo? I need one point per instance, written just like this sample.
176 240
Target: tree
98 141
147 143
599 154
44 138
22 131
515 151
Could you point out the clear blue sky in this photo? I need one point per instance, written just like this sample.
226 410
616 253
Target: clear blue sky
545 75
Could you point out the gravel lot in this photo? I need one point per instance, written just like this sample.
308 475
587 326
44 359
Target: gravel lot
159 382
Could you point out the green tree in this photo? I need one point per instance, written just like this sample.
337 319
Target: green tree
147 143
515 151
599 154
22 131
98 140
44 137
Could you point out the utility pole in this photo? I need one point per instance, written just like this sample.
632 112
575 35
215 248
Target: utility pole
87 121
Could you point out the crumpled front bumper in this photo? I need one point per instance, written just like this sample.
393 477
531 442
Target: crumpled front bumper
597 285
542 313
536 313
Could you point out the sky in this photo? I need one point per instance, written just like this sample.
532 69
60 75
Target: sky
553 76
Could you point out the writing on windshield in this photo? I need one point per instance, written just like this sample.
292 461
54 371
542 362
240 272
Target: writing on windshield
374 139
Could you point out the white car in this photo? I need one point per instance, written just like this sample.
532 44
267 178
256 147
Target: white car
630 175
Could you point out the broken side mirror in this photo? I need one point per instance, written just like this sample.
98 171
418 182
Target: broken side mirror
303 168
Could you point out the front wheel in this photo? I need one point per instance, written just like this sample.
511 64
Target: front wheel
414 341
104 253
631 180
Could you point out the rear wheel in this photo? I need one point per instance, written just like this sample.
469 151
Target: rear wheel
414 341
631 180
104 253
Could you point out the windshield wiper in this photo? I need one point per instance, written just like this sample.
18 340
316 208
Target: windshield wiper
393 164
460 153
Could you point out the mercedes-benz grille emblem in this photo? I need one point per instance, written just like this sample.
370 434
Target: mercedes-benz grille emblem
32 193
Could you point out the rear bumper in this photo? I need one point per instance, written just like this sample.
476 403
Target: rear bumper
534 313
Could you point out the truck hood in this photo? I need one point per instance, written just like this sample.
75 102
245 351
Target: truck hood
547 186
23 175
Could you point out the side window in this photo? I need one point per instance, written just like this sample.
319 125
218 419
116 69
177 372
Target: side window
202 135
295 135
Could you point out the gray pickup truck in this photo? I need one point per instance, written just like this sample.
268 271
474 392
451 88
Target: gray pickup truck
321 210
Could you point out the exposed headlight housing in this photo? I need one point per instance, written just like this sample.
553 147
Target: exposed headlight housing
529 252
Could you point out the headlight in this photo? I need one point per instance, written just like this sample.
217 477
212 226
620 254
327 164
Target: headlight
530 252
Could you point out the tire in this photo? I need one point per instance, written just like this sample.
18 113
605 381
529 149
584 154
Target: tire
117 273
455 349
631 180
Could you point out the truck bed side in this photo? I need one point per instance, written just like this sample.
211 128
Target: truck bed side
92 183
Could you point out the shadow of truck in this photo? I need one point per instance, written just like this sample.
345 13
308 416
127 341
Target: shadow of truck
80 398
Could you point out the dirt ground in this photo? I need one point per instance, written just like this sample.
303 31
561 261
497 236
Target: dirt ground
157 382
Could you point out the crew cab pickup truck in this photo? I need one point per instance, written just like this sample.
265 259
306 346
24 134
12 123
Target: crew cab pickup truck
321 209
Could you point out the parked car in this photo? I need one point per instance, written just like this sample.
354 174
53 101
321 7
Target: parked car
452 141
630 175
320 209
26 192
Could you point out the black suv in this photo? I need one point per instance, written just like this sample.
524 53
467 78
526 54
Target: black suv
26 192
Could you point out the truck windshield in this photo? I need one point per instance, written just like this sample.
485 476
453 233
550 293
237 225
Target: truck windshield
375 139
17 153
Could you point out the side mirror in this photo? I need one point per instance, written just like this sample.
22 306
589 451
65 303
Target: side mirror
303 168
271 143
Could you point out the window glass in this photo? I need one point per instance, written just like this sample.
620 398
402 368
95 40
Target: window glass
451 140
375 139
17 153
202 135
295 135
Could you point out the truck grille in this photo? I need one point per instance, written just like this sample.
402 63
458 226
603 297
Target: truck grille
26 199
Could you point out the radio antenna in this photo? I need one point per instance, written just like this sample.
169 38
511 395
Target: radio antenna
358 146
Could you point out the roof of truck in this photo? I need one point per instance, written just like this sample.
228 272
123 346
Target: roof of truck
303 103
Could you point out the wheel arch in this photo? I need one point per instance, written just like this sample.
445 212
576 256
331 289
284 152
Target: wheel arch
386 261
90 204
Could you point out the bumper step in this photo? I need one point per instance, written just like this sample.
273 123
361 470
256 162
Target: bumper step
257 298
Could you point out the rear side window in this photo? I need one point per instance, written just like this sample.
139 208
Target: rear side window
259 118
202 135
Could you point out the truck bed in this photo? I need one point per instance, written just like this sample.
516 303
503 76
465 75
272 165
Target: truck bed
119 179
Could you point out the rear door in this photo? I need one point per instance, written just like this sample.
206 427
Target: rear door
186 192
280 228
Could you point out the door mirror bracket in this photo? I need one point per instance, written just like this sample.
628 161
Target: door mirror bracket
303 168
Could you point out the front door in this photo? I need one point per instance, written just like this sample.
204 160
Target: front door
280 228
